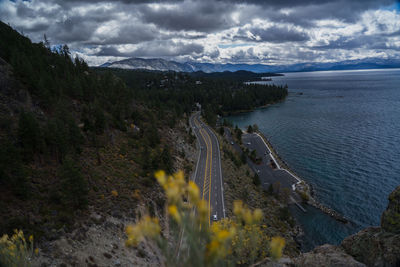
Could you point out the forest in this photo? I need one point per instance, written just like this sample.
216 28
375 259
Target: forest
217 93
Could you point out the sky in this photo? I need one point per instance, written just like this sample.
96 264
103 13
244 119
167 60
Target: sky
274 32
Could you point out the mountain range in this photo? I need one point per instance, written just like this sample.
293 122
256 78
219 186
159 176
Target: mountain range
159 64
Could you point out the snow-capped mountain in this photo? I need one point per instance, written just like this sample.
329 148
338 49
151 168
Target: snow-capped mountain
166 65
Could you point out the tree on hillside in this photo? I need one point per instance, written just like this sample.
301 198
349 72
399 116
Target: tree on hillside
74 185
166 160
12 172
29 135
238 133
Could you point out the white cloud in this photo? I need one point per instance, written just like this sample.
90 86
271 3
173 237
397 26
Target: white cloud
212 31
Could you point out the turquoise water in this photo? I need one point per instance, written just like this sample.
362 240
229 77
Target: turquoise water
340 131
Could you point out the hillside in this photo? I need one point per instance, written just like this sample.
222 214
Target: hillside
74 142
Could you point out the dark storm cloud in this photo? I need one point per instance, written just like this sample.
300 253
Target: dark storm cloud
202 16
110 51
304 13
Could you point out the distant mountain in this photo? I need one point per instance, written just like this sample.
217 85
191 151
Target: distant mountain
166 65
149 64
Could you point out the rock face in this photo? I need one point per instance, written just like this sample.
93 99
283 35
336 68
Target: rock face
390 220
374 247
327 255
379 246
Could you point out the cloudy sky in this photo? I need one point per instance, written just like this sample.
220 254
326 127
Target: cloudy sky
221 31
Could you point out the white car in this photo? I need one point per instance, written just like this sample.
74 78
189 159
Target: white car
232 143
248 143
215 218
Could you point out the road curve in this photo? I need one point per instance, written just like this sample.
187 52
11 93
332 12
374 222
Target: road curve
208 174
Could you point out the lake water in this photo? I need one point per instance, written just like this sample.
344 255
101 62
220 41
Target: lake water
340 131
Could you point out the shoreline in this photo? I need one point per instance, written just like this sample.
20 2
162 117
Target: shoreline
238 112
303 185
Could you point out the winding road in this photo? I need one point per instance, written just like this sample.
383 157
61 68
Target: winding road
208 174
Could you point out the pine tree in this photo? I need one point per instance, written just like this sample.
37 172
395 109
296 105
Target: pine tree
29 135
74 185
166 160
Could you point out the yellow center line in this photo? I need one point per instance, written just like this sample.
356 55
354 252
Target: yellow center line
208 142
209 185
205 170
210 176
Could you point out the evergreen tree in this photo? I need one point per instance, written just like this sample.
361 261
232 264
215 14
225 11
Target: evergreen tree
74 186
166 160
29 135
12 171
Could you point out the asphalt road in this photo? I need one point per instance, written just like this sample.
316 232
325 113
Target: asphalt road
208 174
267 174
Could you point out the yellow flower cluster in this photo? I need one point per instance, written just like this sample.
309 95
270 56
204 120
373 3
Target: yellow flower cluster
238 240
146 227
246 214
15 250
222 233
276 246
176 189
173 211
114 193
173 185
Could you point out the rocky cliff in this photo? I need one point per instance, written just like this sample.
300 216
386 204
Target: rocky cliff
373 246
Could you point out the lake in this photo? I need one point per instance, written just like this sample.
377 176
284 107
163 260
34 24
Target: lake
340 131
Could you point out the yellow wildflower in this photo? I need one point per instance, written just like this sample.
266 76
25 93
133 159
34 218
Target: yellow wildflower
257 215
129 230
36 251
223 235
180 179
247 217
150 226
238 208
213 247
134 234
114 193
276 246
31 238
12 247
173 211
160 176
172 193
193 192
202 209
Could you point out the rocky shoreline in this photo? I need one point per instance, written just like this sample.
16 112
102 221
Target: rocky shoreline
303 187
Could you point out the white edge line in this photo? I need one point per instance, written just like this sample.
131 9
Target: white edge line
273 158
270 153
220 172
199 154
